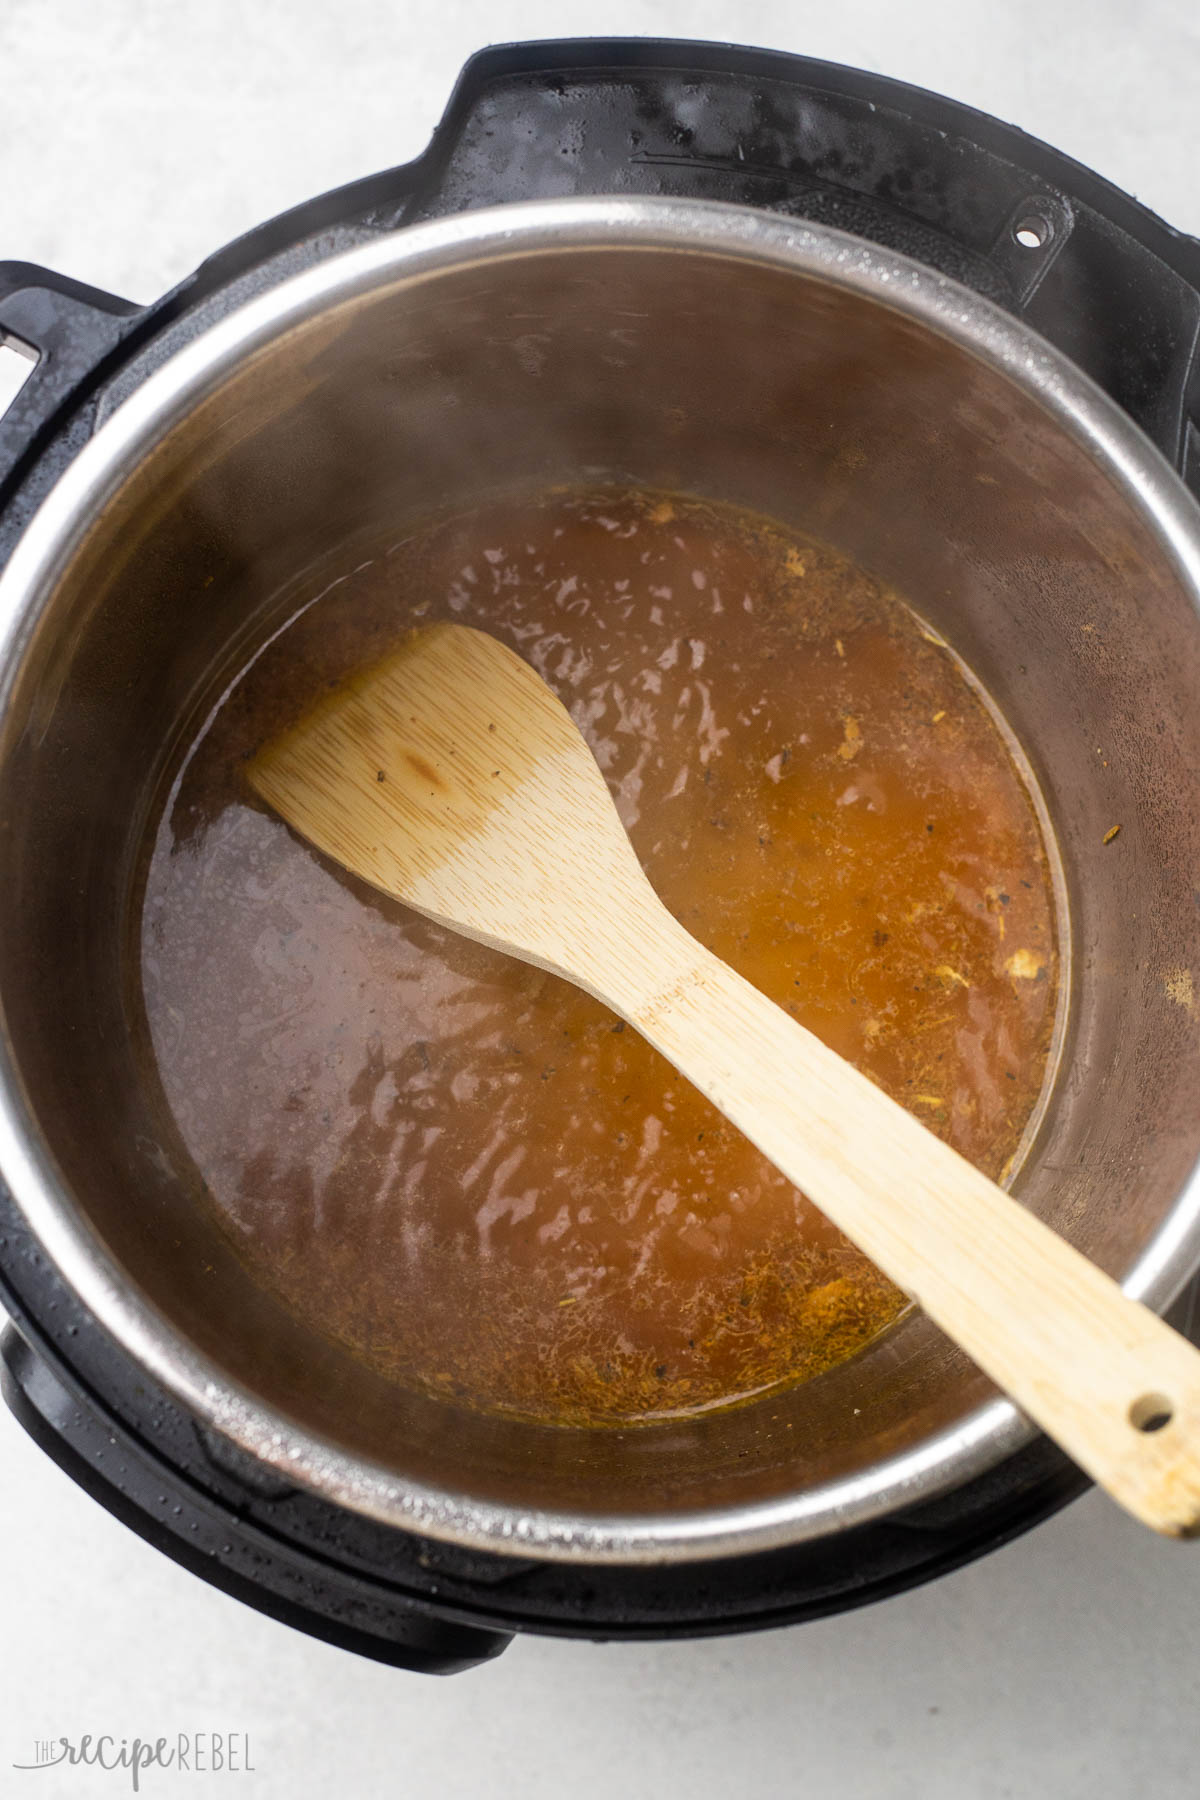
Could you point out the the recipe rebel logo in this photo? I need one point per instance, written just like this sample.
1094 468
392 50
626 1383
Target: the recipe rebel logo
188 1752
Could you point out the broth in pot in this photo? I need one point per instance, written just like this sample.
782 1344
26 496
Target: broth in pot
466 1170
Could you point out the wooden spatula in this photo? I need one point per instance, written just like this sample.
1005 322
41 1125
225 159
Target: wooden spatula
451 777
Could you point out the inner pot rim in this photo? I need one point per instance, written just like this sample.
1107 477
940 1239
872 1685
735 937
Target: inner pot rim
420 254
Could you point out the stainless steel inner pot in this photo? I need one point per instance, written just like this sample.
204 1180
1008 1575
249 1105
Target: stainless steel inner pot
784 367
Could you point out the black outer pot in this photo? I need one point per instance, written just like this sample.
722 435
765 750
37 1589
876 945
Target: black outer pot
1099 276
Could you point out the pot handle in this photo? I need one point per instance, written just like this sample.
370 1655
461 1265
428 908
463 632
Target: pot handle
68 330
224 1545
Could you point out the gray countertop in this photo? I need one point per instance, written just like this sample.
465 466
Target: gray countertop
134 139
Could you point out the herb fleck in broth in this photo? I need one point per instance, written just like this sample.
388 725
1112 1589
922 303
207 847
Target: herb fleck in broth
468 1171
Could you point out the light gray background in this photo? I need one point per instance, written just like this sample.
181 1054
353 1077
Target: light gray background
134 139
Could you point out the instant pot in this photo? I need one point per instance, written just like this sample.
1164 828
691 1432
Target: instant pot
909 328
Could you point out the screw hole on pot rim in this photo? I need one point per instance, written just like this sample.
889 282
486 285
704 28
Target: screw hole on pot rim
1032 231
1150 1412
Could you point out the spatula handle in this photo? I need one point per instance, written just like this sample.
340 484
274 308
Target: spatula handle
1117 1388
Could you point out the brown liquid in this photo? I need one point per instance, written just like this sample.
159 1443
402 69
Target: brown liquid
470 1172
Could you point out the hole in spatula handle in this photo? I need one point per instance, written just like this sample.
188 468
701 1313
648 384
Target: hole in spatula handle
1150 1412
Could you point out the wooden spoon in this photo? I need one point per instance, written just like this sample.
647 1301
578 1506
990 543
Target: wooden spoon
451 777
